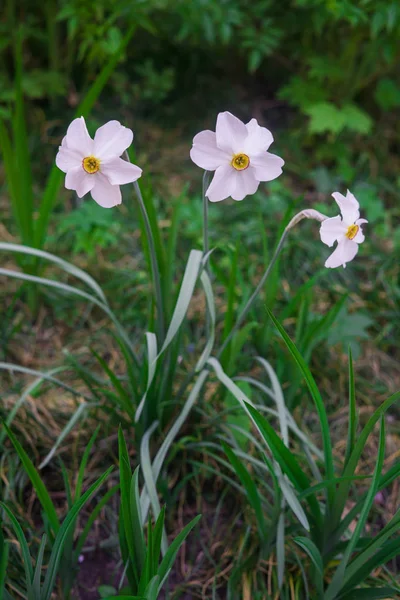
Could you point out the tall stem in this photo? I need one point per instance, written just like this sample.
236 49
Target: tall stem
254 295
304 214
154 262
206 181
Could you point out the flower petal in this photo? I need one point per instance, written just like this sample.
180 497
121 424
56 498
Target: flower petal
245 184
76 179
266 166
344 252
231 133
104 193
222 184
332 230
360 237
119 171
78 138
205 153
258 139
67 159
349 207
111 140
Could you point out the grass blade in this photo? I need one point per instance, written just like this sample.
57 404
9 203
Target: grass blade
125 474
351 434
23 544
185 294
316 396
339 577
171 435
310 548
39 486
250 487
63 264
343 489
38 566
172 551
206 282
62 535
151 341
76 417
4 551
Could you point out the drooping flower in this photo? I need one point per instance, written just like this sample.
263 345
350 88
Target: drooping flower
94 165
345 230
238 155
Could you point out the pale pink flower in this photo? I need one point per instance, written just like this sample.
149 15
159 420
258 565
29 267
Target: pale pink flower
345 230
94 165
238 155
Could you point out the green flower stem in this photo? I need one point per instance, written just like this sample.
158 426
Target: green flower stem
155 271
206 182
304 214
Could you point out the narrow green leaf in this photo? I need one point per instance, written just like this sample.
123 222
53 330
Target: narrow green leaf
250 487
151 343
149 480
125 487
293 501
39 486
153 589
126 401
12 180
21 146
136 519
76 417
310 548
63 533
169 558
63 264
92 518
373 545
351 434
185 294
280 548
285 459
4 550
38 566
388 551
157 539
279 399
342 492
84 461
316 396
206 283
371 594
171 435
339 577
23 544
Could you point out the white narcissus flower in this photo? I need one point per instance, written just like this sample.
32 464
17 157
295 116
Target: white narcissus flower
345 230
94 165
238 155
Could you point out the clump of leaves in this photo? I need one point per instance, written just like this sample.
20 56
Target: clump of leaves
88 228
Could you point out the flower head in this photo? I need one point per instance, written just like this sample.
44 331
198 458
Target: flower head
238 155
94 165
345 230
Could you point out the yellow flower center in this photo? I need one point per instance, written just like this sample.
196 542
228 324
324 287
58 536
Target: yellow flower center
91 164
352 231
240 162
